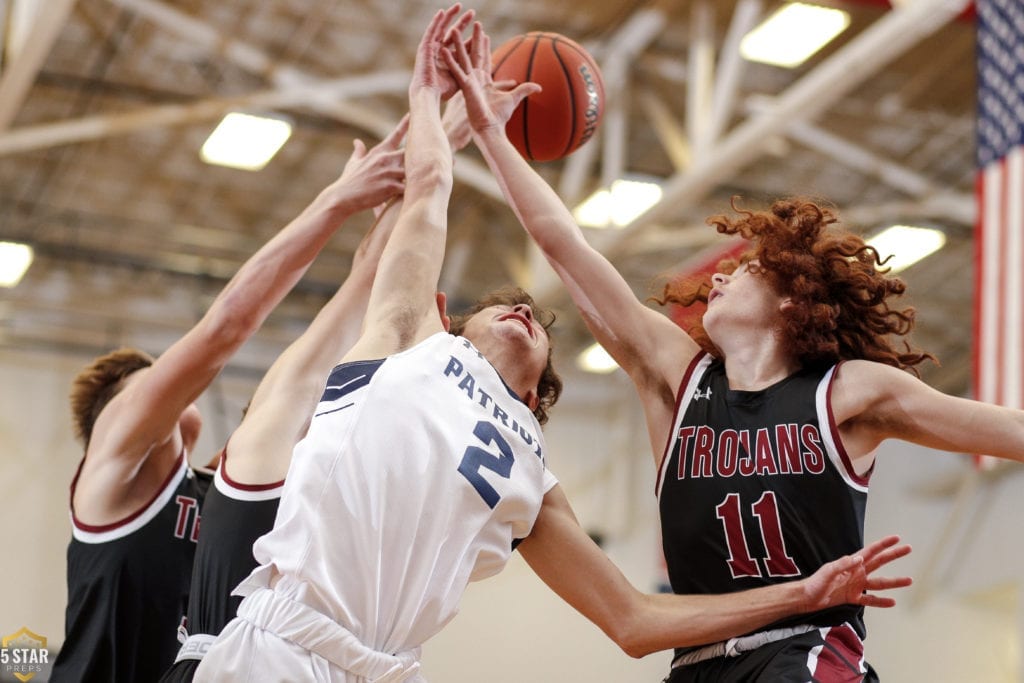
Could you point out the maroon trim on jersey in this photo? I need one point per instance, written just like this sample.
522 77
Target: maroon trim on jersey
841 657
223 467
679 397
834 428
100 528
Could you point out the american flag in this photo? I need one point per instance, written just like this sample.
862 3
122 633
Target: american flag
999 271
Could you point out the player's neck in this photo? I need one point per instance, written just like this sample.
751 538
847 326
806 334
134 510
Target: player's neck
752 367
512 371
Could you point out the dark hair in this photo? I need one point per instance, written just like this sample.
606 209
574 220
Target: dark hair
94 387
836 281
549 388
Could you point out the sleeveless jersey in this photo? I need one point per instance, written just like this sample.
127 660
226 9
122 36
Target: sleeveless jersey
128 586
755 487
234 516
417 475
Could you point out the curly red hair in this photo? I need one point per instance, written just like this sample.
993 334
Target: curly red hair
837 283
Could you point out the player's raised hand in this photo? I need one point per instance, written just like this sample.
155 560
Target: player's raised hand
488 104
456 120
431 69
373 176
849 579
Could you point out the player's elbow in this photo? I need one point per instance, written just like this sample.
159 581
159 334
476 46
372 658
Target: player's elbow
635 647
631 637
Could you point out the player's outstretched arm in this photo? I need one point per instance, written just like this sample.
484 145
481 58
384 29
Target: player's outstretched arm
278 415
874 402
144 415
402 309
573 566
643 341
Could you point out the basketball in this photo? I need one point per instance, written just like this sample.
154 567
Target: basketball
556 122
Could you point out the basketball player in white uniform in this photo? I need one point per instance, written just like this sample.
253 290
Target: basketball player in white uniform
242 504
424 464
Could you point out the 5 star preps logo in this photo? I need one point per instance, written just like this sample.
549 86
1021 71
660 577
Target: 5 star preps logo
24 654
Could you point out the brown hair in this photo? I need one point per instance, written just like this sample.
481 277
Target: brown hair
549 388
837 283
100 381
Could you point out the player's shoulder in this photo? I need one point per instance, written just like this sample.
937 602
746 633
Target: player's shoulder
860 385
868 373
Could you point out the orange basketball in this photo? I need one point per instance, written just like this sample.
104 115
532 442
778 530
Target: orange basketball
557 121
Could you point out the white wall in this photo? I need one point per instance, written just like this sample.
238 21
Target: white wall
964 620
966 626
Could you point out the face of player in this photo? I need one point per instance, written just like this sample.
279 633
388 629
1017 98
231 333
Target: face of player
513 332
742 299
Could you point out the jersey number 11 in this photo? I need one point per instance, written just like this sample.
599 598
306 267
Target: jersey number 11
766 510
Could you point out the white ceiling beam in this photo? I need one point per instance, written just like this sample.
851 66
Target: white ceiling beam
622 49
576 171
87 128
201 33
851 154
730 68
668 130
629 41
887 38
615 127
30 54
857 157
700 77
254 60
958 207
883 41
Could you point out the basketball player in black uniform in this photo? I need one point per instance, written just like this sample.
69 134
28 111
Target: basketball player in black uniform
764 423
135 501
128 581
770 466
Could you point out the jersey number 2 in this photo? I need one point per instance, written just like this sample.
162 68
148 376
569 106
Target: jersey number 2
766 509
475 457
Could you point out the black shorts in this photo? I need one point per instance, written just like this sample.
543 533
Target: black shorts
181 672
837 657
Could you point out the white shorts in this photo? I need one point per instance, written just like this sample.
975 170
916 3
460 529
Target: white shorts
277 640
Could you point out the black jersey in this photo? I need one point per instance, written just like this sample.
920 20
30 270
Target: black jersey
128 585
234 516
755 487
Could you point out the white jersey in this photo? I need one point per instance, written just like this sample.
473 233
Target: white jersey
418 474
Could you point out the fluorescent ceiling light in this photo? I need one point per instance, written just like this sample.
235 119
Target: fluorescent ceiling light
626 200
793 33
15 258
595 359
245 141
906 244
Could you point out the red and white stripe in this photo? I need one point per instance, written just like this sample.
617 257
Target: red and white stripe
999 282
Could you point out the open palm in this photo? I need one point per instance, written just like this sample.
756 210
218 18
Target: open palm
488 104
